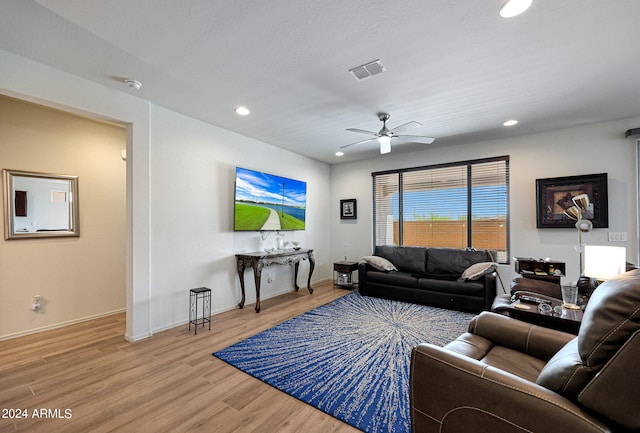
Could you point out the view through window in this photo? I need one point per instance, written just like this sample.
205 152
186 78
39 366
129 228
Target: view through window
457 205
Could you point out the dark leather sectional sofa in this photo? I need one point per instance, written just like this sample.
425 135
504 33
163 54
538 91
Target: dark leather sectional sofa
430 276
505 376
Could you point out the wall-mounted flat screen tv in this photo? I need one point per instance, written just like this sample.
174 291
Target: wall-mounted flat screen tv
268 202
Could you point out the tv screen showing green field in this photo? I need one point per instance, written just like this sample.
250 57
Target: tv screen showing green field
268 202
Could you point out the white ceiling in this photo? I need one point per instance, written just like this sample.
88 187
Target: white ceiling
455 66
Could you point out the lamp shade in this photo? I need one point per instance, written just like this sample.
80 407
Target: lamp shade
582 201
385 143
604 262
573 212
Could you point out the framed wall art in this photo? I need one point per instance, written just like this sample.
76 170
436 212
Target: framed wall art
555 195
348 209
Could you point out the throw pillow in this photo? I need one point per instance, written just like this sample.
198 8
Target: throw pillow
476 271
380 263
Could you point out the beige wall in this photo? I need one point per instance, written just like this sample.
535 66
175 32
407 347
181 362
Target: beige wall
76 277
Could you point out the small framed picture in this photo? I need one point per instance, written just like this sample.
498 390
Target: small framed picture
348 209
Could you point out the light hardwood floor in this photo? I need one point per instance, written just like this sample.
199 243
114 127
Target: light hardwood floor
167 383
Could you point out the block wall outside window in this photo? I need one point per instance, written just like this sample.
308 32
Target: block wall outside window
457 205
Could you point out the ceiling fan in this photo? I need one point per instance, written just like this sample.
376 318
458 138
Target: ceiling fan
384 136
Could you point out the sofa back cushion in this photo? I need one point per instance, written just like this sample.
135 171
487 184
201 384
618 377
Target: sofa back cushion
406 259
611 317
453 261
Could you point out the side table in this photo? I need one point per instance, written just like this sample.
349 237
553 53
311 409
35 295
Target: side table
201 294
566 321
343 273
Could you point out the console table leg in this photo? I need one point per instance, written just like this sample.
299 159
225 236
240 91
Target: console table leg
296 265
257 273
240 265
312 264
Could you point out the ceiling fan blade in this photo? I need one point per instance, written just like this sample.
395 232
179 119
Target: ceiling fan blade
362 131
415 139
406 127
359 142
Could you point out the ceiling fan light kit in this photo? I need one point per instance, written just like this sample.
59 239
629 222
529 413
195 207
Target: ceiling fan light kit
512 8
385 144
384 136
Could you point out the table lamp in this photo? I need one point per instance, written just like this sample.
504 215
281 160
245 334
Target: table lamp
604 262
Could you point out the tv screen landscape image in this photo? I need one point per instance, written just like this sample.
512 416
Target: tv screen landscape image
268 202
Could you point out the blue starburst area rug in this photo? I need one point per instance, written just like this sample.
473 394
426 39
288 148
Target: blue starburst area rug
349 358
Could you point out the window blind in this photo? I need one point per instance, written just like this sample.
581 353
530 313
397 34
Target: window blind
457 205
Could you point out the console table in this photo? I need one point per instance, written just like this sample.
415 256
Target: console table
258 260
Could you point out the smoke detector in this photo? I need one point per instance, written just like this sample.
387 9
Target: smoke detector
134 84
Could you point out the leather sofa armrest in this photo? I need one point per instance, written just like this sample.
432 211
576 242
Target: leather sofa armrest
362 277
539 342
490 289
450 392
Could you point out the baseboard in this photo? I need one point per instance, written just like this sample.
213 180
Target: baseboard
222 310
60 325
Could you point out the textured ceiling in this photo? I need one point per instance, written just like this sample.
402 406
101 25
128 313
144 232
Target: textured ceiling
455 66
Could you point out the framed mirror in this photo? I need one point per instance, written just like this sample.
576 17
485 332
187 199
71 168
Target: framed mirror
40 205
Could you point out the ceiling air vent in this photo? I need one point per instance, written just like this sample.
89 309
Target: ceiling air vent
367 70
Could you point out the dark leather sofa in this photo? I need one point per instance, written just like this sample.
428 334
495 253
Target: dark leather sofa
430 276
507 376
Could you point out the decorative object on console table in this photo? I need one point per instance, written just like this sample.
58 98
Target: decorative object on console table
348 209
547 270
343 273
258 260
555 196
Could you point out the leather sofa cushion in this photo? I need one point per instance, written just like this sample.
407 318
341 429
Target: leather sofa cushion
611 317
453 261
401 279
458 287
407 259
514 361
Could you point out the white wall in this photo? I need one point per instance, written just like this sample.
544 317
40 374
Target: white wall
594 148
192 203
190 162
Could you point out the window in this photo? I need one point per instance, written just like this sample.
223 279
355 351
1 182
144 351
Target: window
457 205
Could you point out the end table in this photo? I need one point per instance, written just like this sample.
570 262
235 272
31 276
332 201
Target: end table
343 273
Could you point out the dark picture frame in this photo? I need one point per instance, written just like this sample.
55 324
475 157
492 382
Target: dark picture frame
554 195
348 209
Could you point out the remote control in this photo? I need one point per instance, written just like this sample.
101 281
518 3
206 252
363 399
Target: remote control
533 300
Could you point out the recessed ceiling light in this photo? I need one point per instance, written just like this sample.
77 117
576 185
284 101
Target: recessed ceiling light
510 122
339 153
242 111
514 7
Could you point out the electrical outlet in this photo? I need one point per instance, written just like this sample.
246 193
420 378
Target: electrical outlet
617 236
